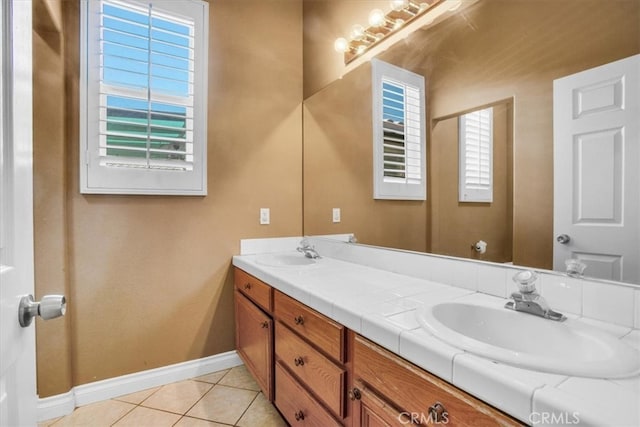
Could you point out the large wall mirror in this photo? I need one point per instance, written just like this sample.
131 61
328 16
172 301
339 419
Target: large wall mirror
503 54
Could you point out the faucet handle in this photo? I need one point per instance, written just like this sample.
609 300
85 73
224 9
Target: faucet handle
526 281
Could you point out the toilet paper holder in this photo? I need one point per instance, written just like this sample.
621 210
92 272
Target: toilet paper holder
480 246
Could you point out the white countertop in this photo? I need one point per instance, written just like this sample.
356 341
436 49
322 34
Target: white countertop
381 306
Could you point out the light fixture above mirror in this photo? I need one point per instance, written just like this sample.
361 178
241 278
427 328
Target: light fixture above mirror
383 25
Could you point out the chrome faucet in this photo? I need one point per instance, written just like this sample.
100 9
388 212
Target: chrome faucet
528 300
308 250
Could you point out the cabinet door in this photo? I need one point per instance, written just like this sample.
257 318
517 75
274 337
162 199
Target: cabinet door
254 342
372 411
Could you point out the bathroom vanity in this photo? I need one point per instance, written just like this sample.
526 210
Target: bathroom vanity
335 341
307 364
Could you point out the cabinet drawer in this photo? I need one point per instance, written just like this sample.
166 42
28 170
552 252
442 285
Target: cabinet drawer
312 368
316 328
298 407
258 291
414 390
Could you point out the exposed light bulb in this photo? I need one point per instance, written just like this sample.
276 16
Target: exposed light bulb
376 18
423 7
341 45
361 49
357 32
398 24
398 5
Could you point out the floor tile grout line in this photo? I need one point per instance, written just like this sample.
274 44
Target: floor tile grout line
188 409
202 397
247 408
181 414
198 400
125 414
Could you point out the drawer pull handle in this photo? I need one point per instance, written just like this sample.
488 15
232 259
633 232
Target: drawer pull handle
264 324
298 361
354 394
299 320
247 286
299 416
438 413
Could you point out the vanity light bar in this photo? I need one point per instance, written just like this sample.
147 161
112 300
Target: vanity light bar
382 25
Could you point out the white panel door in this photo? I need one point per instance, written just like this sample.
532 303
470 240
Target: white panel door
596 162
17 344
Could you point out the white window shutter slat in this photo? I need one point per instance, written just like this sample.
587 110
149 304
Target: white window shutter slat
476 154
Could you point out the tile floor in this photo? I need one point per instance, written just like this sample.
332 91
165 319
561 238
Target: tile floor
226 398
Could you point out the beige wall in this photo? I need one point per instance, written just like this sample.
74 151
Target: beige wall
493 50
51 163
148 278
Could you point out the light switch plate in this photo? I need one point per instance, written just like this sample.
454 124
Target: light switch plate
265 216
336 215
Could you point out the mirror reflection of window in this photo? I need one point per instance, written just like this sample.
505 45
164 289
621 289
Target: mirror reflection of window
476 156
398 133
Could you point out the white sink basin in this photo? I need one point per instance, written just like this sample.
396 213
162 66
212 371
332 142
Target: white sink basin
527 341
285 260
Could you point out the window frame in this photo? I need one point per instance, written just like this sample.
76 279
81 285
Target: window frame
98 179
386 188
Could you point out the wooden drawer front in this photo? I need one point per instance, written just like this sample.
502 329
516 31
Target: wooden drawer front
414 390
298 407
254 342
316 328
321 375
258 291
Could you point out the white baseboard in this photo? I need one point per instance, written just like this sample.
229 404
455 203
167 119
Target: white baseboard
64 404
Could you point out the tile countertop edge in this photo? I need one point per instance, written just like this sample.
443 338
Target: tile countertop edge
475 384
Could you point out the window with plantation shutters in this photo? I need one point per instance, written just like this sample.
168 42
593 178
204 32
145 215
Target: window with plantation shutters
144 97
476 156
398 133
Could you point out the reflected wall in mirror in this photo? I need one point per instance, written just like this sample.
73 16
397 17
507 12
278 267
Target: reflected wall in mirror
493 50
456 226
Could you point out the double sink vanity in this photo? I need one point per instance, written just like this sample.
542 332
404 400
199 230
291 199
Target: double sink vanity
370 336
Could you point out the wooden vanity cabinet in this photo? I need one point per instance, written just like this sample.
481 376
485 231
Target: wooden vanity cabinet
254 328
389 391
318 373
311 374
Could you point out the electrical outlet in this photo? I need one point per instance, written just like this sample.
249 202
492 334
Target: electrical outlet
265 216
336 215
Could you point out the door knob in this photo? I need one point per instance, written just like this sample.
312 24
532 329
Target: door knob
563 239
49 307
